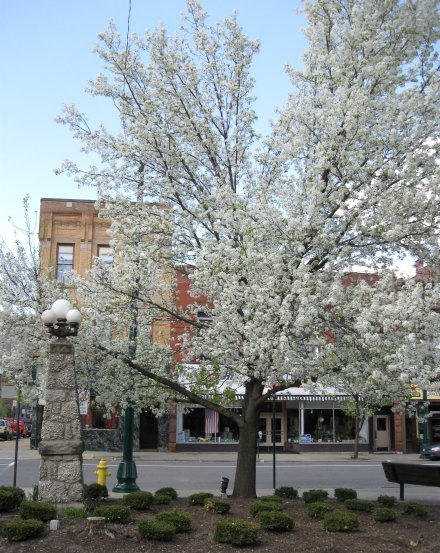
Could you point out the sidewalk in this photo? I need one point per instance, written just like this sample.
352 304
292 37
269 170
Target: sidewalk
7 452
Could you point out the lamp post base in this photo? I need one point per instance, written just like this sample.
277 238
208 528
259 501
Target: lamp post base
126 476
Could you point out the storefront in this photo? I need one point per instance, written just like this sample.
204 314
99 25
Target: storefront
298 422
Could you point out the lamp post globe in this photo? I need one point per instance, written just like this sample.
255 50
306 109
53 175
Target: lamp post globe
49 317
73 316
61 308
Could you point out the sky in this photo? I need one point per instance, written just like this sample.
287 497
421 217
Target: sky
47 60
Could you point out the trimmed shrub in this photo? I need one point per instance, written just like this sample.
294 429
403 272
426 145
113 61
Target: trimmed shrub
199 498
286 491
140 501
339 521
38 510
180 520
271 499
312 496
384 514
359 505
413 508
263 506
167 491
20 530
342 494
8 501
217 505
386 500
276 521
156 530
161 499
10 498
120 514
318 509
75 512
236 532
93 495
95 491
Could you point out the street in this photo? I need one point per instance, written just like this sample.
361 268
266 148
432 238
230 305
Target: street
206 475
192 472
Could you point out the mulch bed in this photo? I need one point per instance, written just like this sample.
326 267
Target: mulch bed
419 535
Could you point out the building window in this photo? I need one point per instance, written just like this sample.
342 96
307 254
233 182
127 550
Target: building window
105 254
64 262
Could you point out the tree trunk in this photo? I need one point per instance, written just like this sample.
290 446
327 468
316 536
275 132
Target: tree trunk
245 472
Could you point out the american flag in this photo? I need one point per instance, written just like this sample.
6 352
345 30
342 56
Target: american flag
211 421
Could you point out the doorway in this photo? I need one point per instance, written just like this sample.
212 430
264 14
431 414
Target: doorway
265 425
381 432
148 431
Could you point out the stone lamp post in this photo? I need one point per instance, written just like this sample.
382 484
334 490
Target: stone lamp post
61 446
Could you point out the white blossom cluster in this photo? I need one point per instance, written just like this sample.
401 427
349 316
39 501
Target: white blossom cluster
25 292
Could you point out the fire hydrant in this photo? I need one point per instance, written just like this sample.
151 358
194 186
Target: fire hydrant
102 472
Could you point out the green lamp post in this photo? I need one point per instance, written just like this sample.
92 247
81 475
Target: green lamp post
127 472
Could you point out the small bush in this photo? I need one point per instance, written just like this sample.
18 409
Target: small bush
319 509
8 501
312 496
161 499
38 510
339 521
272 499
180 520
286 491
156 530
342 494
93 495
140 501
386 500
167 491
359 505
276 521
263 506
75 512
95 491
20 530
413 508
10 498
217 505
199 498
384 514
236 532
114 513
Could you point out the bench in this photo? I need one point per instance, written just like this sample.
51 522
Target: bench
411 473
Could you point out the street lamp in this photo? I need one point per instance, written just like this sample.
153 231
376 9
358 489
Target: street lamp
61 319
127 471
61 446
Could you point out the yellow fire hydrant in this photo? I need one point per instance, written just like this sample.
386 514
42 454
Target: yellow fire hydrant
102 472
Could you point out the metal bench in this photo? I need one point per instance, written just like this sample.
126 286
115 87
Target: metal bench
411 473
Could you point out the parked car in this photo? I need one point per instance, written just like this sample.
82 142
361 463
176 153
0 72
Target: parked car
431 452
13 424
5 430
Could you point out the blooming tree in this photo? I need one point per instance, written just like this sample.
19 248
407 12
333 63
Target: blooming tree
372 350
347 175
25 292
